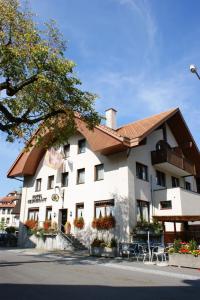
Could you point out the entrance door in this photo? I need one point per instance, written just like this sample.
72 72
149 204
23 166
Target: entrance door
63 218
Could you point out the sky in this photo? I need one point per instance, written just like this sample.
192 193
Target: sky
134 54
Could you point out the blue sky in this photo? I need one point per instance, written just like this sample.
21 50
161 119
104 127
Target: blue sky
134 54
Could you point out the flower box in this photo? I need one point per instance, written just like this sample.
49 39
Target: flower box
184 260
105 252
96 251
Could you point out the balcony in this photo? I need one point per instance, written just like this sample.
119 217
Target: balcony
183 202
169 160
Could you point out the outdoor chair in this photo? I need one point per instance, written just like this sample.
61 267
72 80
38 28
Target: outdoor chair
157 252
142 252
128 250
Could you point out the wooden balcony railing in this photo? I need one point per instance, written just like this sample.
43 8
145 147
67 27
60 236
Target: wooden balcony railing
170 156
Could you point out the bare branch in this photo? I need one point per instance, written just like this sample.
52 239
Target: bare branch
12 90
3 85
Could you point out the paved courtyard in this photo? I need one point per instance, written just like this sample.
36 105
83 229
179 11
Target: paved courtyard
30 274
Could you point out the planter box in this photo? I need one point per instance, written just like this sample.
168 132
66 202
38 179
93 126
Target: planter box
184 260
105 252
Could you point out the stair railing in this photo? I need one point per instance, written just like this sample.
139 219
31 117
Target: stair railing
65 235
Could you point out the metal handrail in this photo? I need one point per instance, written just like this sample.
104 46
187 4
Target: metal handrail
65 235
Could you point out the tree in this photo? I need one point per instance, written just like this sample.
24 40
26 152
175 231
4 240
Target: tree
37 82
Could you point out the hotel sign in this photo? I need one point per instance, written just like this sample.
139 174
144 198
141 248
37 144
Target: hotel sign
37 199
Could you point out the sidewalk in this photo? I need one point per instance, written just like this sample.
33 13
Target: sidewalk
82 257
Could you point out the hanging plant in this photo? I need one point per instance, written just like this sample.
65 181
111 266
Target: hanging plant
79 223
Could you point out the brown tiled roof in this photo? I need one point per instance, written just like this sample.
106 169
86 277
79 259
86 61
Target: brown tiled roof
8 199
7 205
107 141
142 127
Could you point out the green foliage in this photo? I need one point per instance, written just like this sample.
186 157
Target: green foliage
37 81
10 229
101 243
2 226
192 245
177 245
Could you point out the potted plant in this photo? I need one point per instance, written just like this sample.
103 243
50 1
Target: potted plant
101 248
79 223
46 225
67 227
31 224
97 246
184 254
104 223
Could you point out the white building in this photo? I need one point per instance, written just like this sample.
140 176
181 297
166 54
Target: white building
144 169
10 209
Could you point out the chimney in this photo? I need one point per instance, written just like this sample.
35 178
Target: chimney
111 118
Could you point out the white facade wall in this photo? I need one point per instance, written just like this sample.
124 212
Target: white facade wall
8 218
120 183
114 186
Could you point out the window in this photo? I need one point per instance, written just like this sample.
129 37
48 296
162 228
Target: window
33 214
142 211
188 186
165 204
175 182
66 150
49 213
3 211
104 208
50 182
99 172
7 220
79 210
81 146
160 178
80 176
38 184
64 179
141 171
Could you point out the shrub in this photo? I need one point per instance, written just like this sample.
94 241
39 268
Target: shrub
192 245
10 229
98 243
113 243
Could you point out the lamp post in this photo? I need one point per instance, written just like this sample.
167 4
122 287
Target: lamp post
193 69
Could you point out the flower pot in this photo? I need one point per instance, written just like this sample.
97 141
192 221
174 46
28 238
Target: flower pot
96 251
184 260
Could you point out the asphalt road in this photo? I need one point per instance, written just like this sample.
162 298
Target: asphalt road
25 276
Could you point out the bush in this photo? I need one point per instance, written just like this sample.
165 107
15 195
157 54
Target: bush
98 243
10 229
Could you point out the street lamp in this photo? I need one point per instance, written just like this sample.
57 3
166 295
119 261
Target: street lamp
193 69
